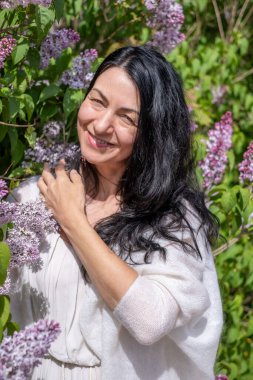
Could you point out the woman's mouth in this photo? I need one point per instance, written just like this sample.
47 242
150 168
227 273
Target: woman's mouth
97 142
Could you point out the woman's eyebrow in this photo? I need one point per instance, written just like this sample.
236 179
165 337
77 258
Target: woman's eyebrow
125 109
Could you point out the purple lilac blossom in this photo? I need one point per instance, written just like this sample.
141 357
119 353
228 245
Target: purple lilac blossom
55 43
166 18
52 129
246 166
23 351
3 189
32 221
221 377
6 46
50 152
219 142
7 212
79 75
6 288
9 4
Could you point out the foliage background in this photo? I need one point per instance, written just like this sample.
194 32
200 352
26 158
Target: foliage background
215 54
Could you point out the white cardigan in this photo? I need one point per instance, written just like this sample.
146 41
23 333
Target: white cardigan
166 327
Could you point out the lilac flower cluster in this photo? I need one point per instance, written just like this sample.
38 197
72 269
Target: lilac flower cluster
80 76
50 152
6 46
3 189
52 129
23 351
31 222
219 142
246 166
57 41
9 4
221 377
218 94
166 18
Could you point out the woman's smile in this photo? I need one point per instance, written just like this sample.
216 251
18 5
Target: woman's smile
97 142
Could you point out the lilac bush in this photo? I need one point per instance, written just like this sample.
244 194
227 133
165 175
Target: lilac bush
7 44
3 189
9 4
55 43
80 75
166 18
219 142
246 166
23 351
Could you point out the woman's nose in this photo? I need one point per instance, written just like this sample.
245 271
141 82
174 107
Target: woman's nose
104 122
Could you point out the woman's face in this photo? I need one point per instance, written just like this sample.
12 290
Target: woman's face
108 118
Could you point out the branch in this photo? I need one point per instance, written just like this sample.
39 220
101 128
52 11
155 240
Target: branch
18 125
247 17
241 13
218 17
225 246
243 75
232 18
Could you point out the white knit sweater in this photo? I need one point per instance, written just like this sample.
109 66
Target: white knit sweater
166 327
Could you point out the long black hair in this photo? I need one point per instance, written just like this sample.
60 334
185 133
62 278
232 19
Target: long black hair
158 188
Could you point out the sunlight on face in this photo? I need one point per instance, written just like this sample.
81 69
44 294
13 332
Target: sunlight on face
108 119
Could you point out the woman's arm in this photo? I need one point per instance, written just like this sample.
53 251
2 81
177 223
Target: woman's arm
65 196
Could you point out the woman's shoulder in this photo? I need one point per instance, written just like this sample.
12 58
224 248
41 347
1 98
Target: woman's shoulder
26 191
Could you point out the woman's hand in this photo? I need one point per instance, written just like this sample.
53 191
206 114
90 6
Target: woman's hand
63 195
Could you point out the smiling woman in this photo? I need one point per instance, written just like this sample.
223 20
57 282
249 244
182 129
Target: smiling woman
133 282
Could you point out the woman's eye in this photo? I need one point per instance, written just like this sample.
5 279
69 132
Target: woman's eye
97 101
128 119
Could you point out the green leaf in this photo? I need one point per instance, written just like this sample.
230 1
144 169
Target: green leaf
59 9
14 104
48 111
72 100
5 256
3 131
49 92
12 327
31 136
17 147
29 105
228 201
4 310
44 20
19 52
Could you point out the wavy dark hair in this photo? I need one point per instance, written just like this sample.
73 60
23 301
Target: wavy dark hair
158 188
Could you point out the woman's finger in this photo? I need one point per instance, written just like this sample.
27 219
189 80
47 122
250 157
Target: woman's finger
60 169
47 175
75 177
42 186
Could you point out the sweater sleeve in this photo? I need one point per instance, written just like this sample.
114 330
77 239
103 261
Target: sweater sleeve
164 296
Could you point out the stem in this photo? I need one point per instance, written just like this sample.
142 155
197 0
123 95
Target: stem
116 30
241 13
232 19
18 125
246 19
218 17
243 75
225 246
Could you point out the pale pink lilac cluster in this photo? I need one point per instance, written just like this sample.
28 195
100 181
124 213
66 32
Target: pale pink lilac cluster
219 142
218 94
166 18
7 44
7 212
22 352
246 166
55 43
3 189
79 75
9 4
